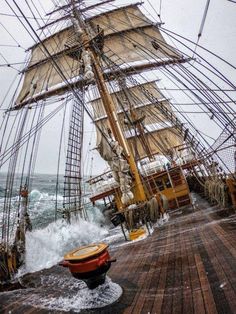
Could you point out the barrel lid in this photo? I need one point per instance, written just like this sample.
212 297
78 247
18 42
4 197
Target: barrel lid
85 252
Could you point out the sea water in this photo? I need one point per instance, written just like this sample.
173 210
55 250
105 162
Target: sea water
50 238
43 198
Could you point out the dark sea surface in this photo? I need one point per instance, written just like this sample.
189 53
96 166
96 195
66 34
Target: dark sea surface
45 183
44 198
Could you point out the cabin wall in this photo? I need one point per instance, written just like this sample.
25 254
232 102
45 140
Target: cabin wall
173 186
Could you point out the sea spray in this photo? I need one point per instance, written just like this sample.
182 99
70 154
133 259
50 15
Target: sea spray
74 296
46 247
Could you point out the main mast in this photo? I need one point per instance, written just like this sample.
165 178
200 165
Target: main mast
82 30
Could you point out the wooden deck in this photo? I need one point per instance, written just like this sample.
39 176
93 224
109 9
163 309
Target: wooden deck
187 266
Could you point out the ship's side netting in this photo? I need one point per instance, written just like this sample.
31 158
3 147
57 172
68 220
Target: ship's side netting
72 182
224 149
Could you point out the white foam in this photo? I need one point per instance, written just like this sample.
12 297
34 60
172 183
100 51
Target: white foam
46 247
35 195
77 296
166 217
95 215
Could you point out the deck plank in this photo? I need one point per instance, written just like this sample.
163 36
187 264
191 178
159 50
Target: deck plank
177 299
206 289
186 277
160 291
224 272
157 268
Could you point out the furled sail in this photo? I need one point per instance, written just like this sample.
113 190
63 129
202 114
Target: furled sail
128 35
111 151
158 132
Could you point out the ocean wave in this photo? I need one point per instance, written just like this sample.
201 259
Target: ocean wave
46 247
41 209
36 195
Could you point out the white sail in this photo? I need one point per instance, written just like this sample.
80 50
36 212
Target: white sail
157 131
128 37
137 100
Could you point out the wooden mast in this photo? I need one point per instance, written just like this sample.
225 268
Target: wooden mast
135 119
138 189
139 194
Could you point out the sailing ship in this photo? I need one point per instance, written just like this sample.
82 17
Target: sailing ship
100 65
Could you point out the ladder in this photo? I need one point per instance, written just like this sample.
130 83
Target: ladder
72 178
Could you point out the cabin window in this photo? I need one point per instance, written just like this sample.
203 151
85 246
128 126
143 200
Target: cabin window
160 185
167 183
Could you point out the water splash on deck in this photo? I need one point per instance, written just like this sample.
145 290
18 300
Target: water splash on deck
46 247
74 295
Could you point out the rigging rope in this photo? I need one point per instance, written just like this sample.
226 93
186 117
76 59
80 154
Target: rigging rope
165 30
202 24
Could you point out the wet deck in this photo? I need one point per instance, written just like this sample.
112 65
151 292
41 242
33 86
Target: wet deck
186 266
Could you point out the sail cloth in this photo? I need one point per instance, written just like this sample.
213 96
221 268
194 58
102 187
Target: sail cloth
160 141
136 45
158 132
128 37
136 99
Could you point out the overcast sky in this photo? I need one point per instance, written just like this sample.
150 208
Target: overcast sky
182 16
